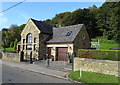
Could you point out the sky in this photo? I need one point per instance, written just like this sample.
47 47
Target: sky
37 10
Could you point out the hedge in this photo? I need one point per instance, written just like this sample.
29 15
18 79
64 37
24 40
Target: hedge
99 54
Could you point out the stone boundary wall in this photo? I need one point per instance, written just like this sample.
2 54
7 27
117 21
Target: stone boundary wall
11 57
98 66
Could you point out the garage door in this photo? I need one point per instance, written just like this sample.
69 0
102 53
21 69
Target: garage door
62 54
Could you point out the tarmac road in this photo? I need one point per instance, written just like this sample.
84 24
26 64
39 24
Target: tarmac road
16 75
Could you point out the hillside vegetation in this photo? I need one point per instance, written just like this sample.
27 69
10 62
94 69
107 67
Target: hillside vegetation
105 44
103 21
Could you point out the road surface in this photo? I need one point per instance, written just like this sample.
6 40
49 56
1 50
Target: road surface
16 75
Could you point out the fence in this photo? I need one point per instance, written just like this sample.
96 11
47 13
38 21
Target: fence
95 44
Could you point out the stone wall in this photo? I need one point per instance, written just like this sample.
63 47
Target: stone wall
11 57
98 66
82 40
42 46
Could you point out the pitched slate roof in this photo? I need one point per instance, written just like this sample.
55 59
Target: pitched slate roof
43 27
59 34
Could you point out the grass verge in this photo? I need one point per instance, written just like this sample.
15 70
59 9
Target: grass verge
92 78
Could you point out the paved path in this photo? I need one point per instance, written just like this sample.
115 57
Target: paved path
57 65
37 68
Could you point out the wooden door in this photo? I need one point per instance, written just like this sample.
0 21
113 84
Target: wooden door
49 51
62 53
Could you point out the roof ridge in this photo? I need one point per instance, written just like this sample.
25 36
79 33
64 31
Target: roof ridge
35 20
71 26
43 27
59 34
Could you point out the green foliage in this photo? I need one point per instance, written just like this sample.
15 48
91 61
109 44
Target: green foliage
100 54
11 34
0 39
15 44
47 21
103 21
4 38
108 20
105 44
92 78
9 49
11 45
63 19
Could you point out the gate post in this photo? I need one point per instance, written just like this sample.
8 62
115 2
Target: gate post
73 56
31 58
47 64
21 56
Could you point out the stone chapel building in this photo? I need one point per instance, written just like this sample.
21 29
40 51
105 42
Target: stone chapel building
42 39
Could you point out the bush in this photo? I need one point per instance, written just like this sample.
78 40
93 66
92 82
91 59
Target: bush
99 54
15 44
11 45
10 50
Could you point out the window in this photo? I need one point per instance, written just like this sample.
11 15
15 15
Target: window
34 40
29 38
34 47
84 43
23 47
83 36
29 47
23 40
68 33
29 28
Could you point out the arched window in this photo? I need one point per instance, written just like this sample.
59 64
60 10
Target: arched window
29 38
34 40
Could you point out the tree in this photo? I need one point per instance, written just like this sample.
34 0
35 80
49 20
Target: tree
93 7
4 38
11 44
0 39
59 19
19 30
11 34
116 21
87 17
103 21
108 20
15 44
47 21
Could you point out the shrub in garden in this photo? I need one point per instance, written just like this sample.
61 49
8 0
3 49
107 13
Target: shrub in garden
11 44
99 54
15 44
